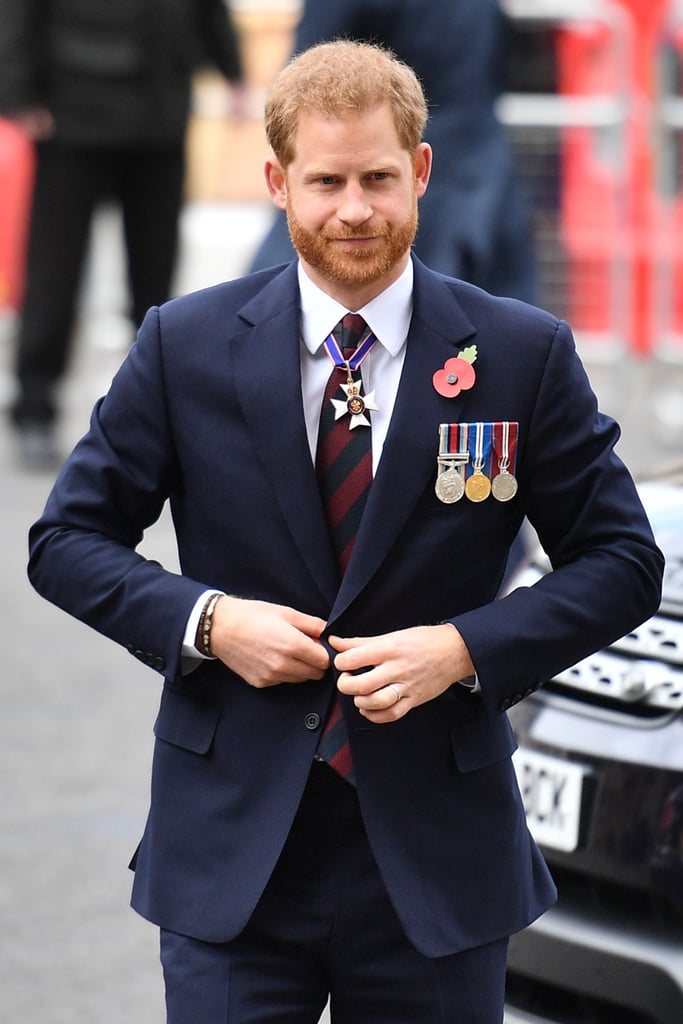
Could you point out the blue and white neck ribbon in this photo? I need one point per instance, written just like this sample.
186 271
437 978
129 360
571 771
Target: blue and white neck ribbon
335 353
356 404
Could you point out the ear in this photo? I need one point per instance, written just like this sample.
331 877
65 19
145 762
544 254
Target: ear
276 181
423 167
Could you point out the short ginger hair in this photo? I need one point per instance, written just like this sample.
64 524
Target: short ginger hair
339 79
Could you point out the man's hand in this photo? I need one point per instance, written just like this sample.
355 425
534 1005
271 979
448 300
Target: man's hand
399 671
267 644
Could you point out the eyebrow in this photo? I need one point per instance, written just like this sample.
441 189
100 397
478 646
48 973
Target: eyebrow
386 167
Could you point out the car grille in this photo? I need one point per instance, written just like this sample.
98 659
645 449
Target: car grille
641 674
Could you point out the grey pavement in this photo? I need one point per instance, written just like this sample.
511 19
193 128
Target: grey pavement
76 712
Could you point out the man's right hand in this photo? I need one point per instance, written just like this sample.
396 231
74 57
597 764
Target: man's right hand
267 644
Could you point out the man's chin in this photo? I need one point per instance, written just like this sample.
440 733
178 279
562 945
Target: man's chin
356 265
357 268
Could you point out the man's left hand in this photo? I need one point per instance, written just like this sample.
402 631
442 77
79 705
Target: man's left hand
401 670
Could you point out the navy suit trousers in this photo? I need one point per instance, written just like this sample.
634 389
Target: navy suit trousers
325 926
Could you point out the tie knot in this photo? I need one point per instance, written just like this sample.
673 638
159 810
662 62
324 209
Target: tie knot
353 322
351 328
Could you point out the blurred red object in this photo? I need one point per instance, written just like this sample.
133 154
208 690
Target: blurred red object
16 186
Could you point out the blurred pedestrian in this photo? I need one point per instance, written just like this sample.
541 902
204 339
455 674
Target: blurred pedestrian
103 87
334 806
473 219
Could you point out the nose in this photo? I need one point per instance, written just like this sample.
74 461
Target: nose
354 208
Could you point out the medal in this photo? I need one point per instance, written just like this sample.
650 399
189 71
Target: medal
453 455
449 486
478 485
504 484
355 404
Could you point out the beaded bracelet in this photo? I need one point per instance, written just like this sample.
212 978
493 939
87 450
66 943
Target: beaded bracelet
203 637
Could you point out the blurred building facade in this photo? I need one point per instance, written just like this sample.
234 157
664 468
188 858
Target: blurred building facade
594 109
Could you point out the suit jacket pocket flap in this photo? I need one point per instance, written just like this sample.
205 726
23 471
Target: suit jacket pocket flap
482 741
186 723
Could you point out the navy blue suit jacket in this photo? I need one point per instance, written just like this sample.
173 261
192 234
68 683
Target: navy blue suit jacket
206 411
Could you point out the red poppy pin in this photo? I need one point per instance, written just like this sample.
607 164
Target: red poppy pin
457 374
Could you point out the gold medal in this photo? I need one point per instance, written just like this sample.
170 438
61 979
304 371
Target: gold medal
478 487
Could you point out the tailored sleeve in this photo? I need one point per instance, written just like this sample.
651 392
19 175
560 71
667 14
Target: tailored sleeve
83 555
583 504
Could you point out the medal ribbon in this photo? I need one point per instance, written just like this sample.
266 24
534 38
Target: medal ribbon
453 439
505 444
335 353
480 445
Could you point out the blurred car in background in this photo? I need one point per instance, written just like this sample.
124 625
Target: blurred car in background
600 767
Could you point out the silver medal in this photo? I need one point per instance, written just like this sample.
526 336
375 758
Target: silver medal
449 486
504 486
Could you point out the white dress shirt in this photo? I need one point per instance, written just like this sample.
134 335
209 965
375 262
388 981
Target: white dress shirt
388 317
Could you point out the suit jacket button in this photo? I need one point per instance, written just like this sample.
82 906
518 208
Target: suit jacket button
160 663
312 721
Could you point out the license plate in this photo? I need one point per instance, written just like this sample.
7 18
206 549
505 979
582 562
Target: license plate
551 790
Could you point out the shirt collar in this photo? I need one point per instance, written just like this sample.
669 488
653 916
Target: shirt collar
387 315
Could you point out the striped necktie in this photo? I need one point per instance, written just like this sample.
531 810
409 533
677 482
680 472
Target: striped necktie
344 470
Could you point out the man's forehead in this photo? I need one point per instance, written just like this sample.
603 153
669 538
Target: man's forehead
318 130
344 115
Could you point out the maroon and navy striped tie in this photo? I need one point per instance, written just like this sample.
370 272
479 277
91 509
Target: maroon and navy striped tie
344 469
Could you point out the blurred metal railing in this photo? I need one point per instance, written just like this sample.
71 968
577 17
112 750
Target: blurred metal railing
668 144
572 143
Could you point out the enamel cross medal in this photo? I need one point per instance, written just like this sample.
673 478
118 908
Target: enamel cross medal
355 404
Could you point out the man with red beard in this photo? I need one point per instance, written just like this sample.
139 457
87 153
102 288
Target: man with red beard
334 808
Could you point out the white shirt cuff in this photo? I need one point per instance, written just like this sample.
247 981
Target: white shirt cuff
189 649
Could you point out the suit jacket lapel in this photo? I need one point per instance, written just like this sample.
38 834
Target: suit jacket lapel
265 362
